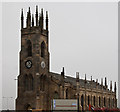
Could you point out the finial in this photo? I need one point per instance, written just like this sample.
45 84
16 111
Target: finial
22 19
46 14
36 9
85 79
105 82
42 12
77 76
111 85
63 73
36 15
91 78
21 13
32 20
47 21
41 20
115 88
63 70
28 18
102 81
29 9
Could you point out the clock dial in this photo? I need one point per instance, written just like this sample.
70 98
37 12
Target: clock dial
28 63
43 64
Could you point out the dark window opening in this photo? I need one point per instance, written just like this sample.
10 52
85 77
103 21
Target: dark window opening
104 102
82 102
99 102
67 93
94 100
43 49
88 100
113 102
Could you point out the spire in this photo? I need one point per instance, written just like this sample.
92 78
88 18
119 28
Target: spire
36 15
32 20
115 88
47 21
22 19
110 85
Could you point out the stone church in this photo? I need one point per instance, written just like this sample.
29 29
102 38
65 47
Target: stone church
37 86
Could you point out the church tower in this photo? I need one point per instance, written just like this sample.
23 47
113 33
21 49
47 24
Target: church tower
34 61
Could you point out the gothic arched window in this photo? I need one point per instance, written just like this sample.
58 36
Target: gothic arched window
82 102
94 100
67 93
88 100
113 102
99 101
29 48
43 49
104 102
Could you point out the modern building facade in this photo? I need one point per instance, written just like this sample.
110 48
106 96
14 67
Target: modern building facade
37 86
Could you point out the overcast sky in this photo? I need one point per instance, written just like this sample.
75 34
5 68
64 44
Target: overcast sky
83 38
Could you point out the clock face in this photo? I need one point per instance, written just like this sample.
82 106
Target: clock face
43 64
28 64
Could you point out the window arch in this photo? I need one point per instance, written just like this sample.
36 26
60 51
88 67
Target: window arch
113 102
88 100
94 100
82 102
99 101
67 93
29 48
104 102
43 49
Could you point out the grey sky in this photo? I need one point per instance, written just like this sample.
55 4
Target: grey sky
83 38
